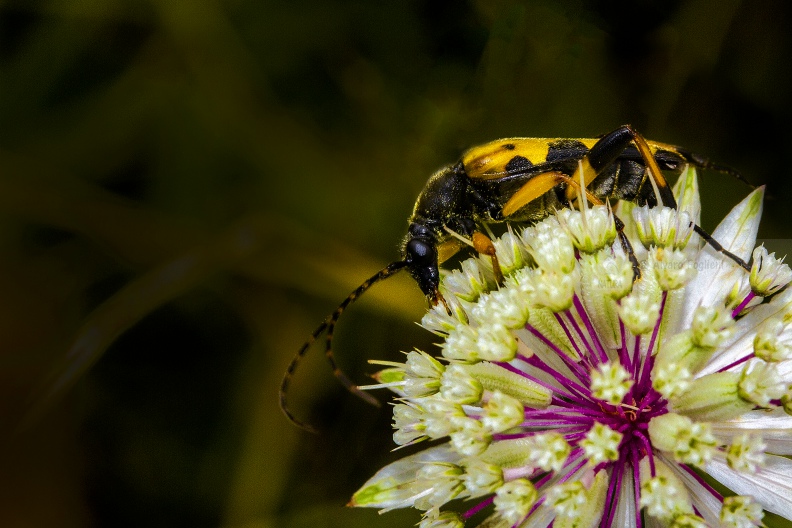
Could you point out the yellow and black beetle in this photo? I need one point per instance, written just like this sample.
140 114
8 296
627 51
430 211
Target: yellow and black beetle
519 180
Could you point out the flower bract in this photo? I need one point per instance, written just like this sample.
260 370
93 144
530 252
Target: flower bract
582 392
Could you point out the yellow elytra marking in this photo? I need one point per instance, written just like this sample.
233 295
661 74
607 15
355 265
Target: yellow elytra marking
488 161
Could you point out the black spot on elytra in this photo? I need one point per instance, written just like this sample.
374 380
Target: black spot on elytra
565 149
509 146
517 164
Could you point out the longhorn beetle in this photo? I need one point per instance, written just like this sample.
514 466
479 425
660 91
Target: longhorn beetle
518 180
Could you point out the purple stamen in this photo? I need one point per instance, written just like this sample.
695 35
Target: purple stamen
614 488
587 356
738 362
649 399
645 368
580 390
590 327
573 438
645 383
560 402
527 434
648 448
743 304
542 481
636 361
572 471
701 481
512 368
657 324
553 423
636 487
649 361
535 507
565 415
477 508
574 367
567 420
623 355
568 334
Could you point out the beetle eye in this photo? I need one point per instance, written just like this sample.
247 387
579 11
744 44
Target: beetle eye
419 251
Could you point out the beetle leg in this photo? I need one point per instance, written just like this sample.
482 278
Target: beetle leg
627 247
437 297
483 244
527 193
607 150
537 186
720 249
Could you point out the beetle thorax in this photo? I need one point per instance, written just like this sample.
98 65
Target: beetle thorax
444 197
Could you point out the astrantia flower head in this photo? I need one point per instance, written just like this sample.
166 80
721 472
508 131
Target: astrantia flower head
578 394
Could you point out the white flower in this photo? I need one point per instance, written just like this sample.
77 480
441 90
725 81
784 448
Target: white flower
768 274
580 397
663 226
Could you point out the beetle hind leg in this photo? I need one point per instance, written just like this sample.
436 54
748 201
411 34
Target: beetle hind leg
627 247
719 248
483 244
609 147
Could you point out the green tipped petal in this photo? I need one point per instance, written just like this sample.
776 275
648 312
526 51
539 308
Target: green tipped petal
391 486
716 273
713 397
686 191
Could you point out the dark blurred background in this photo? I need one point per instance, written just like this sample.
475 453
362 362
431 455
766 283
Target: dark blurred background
188 188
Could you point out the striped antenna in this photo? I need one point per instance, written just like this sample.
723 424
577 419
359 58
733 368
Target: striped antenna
329 325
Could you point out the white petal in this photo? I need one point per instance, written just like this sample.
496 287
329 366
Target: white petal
686 191
541 518
737 232
785 370
716 273
771 486
625 509
707 504
389 484
624 210
740 343
775 428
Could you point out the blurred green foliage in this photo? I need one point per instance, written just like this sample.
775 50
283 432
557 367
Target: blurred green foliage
187 188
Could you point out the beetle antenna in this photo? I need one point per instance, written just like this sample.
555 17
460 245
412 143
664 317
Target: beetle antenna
725 169
329 325
705 163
